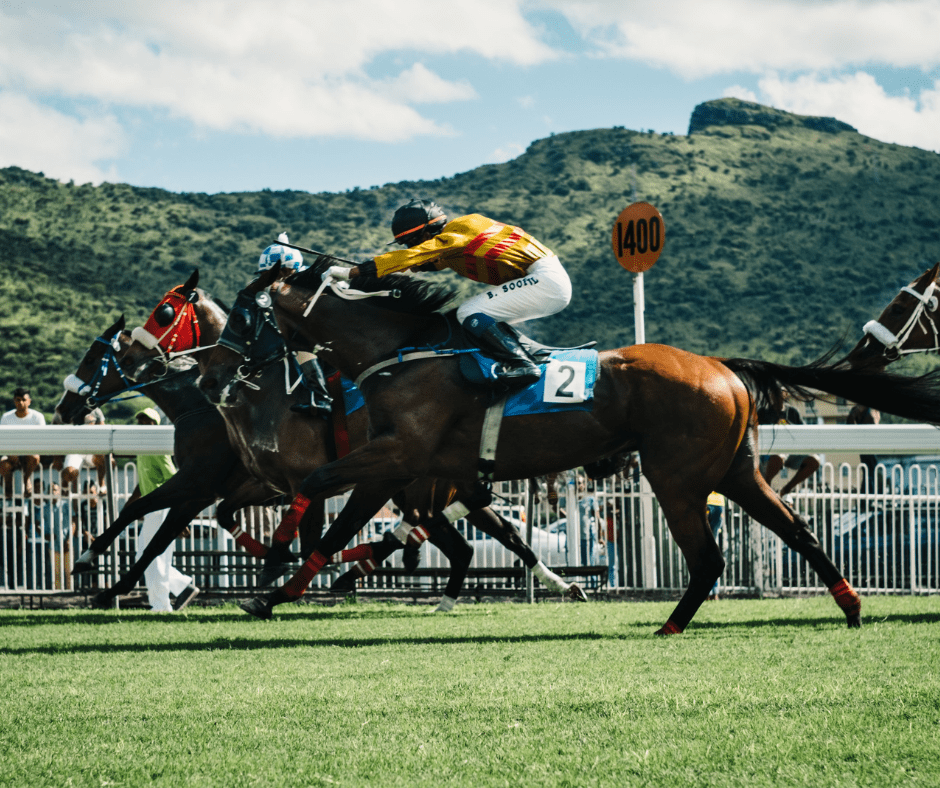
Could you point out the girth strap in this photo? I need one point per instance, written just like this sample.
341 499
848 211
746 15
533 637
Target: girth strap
340 431
488 440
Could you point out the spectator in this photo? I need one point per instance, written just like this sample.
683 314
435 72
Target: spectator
73 463
21 415
862 414
161 577
613 542
57 528
715 513
804 465
593 543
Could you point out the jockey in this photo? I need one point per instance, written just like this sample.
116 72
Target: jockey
526 280
292 261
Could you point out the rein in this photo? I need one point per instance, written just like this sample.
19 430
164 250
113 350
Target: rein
90 390
894 343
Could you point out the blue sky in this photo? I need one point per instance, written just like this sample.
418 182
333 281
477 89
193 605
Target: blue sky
328 95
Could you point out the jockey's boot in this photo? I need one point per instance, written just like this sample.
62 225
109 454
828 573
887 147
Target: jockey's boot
517 366
320 403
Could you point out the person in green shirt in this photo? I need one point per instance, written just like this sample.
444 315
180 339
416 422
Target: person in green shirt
161 577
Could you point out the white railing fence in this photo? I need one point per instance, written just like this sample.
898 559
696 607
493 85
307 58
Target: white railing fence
882 529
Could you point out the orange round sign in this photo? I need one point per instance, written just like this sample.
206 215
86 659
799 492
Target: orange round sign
639 233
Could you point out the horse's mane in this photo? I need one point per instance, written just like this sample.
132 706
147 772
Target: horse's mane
415 296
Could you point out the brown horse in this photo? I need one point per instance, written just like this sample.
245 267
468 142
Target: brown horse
691 418
282 448
909 324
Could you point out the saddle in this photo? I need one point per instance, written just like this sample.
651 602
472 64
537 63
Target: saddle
480 368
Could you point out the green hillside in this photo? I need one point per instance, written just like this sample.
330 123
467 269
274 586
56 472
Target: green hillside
783 234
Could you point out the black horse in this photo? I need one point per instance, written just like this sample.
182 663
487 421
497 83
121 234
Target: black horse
209 469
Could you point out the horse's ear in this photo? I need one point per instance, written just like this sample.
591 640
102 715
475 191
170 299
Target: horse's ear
193 280
934 271
265 279
113 330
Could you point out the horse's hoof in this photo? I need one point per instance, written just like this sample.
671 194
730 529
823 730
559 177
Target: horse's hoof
575 593
259 607
81 567
411 558
854 621
344 584
668 629
102 601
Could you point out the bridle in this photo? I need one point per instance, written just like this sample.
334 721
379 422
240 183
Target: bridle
253 333
894 342
90 389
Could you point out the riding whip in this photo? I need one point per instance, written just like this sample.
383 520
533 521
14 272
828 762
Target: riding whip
314 251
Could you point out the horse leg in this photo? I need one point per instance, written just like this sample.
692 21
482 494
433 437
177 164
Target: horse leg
753 494
249 493
173 524
166 496
363 504
688 524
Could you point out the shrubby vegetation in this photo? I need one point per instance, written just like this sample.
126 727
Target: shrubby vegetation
782 236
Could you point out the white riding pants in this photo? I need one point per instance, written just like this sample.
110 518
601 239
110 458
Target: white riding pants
543 291
161 577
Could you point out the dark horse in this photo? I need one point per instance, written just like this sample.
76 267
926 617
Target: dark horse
209 469
909 324
691 418
282 448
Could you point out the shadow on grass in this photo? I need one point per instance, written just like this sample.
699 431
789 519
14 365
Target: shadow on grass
630 631
246 644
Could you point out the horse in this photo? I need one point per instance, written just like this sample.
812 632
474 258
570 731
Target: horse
282 448
209 469
909 324
691 418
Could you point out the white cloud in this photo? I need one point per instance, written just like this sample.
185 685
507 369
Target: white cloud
860 101
696 39
508 151
282 67
419 85
738 92
41 139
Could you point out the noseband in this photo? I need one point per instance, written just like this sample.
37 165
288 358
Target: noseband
90 390
894 343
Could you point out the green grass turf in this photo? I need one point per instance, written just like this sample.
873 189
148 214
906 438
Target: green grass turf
755 693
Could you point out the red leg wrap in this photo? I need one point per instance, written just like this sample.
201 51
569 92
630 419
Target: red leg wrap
252 545
669 628
359 553
847 598
295 587
417 536
287 529
366 567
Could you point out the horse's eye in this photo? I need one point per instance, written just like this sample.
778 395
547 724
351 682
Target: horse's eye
164 315
897 309
239 320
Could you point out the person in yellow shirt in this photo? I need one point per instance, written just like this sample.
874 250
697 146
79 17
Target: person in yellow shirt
525 279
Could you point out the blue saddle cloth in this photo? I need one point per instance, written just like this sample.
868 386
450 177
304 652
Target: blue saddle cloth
352 397
531 400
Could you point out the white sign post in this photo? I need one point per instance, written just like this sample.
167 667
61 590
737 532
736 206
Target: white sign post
638 237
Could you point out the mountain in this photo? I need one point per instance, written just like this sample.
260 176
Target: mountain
783 234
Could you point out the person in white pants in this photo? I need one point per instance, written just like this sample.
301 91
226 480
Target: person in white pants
161 577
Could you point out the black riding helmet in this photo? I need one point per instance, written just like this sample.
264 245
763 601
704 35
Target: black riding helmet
412 219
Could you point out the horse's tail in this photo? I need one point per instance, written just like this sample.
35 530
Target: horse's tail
915 398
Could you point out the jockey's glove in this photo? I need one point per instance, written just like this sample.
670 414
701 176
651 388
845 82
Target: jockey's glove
337 272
